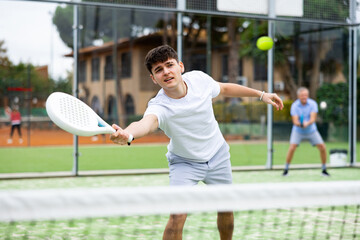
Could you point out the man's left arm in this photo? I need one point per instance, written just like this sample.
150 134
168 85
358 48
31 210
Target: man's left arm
235 90
313 116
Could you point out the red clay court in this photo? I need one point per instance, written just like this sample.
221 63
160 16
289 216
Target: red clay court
41 137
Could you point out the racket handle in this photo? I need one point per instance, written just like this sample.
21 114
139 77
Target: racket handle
130 139
302 121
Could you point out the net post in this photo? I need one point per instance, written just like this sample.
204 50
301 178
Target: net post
352 83
28 101
270 66
76 84
181 6
208 44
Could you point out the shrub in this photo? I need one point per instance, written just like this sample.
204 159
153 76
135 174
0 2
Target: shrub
248 112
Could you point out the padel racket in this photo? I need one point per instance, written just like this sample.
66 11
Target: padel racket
74 116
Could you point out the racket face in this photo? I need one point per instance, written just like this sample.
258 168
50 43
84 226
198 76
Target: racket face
74 116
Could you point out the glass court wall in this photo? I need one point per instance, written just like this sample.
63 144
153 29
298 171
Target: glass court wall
113 39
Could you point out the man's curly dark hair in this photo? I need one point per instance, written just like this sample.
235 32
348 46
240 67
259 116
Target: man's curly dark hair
159 55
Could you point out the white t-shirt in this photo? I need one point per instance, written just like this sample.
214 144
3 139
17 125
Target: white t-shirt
189 122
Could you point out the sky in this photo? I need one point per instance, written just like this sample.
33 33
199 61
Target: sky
31 37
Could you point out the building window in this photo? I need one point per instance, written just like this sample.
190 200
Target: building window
96 106
109 73
260 70
95 67
198 62
82 71
129 105
126 65
225 68
111 110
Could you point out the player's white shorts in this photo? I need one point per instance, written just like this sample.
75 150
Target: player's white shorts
215 171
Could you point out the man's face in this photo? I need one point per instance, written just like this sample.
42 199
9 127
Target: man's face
167 74
303 96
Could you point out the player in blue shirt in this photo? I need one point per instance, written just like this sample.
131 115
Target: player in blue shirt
303 112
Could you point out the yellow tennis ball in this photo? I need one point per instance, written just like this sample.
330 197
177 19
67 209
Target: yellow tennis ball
264 43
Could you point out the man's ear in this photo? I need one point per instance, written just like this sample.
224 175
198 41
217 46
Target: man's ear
153 79
182 67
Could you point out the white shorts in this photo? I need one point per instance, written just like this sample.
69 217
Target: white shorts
314 137
215 171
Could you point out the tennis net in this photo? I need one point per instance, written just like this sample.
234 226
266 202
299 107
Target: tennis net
308 210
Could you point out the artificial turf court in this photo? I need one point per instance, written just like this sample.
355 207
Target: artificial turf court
271 176
279 224
138 156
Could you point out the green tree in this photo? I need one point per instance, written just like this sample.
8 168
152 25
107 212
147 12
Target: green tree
5 65
12 75
336 97
97 23
289 49
61 85
20 74
5 62
63 20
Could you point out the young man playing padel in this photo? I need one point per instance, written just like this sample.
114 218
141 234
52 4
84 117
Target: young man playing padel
183 110
303 113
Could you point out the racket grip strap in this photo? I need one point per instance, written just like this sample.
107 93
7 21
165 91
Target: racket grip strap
130 139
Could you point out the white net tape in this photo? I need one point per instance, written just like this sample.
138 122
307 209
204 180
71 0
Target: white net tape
44 204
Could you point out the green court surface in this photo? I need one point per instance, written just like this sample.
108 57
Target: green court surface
110 157
325 223
163 180
271 224
309 223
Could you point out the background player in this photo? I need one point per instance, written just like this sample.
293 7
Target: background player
303 112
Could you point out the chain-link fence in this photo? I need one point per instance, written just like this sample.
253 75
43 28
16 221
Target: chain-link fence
314 11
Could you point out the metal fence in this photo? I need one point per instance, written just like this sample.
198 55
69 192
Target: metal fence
333 12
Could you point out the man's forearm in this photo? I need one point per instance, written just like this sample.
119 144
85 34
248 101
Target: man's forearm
312 118
235 90
137 130
143 127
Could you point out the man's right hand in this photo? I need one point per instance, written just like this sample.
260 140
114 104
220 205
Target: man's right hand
120 136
